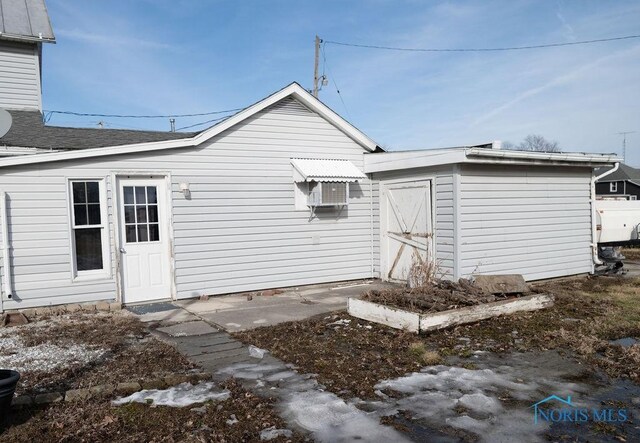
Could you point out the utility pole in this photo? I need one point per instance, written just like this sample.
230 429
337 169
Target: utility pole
316 79
624 143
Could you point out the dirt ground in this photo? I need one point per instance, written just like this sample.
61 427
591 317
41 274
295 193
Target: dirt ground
102 348
350 355
120 349
241 418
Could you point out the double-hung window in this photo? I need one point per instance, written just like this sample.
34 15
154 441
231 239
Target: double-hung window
88 228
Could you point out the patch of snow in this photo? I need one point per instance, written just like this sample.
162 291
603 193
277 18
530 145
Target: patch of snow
257 352
45 357
470 399
232 420
272 432
331 419
184 394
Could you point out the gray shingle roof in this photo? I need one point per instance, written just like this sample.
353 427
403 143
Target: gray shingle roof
624 172
25 20
28 130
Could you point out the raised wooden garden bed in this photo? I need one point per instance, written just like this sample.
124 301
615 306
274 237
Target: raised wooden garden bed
417 322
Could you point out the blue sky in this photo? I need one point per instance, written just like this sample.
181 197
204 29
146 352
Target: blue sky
178 56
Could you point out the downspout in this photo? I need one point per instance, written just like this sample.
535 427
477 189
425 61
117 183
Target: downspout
6 274
371 223
594 224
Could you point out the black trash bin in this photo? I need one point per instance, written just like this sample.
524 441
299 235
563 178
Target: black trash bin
8 381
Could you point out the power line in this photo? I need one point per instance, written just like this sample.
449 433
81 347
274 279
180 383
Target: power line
325 64
203 123
83 114
508 48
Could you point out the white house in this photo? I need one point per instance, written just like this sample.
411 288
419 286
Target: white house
221 211
284 193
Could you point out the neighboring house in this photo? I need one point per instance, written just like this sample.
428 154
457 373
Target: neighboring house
24 26
621 183
284 193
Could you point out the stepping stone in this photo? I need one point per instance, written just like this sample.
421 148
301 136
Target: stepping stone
188 329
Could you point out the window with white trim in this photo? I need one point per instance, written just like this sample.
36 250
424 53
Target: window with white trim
613 187
88 227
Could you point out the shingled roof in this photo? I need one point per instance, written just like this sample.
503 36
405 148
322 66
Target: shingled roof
623 173
29 131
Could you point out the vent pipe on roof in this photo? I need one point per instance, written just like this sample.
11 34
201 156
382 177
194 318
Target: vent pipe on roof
496 144
173 124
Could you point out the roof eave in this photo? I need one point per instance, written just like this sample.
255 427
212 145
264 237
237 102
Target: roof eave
26 38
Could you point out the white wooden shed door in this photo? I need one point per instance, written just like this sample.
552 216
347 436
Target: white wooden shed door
406 229
144 240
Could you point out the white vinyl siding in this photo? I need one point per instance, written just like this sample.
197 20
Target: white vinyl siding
239 231
19 76
527 220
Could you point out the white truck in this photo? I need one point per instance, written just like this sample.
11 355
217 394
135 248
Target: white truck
617 225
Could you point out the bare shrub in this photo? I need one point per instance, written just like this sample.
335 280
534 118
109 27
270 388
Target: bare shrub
422 272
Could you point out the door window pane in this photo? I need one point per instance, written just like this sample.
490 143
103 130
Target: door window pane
151 194
128 195
142 233
141 214
88 249
129 214
140 195
131 233
153 213
154 232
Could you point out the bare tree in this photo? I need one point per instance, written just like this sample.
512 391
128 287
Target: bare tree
533 142
538 143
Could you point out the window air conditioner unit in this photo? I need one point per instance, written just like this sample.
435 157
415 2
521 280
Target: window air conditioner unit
328 194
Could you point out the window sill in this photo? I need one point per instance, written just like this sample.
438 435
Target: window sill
91 276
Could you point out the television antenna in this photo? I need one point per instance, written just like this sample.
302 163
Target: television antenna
624 143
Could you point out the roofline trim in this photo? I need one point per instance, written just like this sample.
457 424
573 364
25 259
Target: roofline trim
294 89
391 161
26 38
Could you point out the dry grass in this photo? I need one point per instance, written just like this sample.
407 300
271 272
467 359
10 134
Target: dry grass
350 360
631 253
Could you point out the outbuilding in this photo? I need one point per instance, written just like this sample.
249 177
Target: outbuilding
484 210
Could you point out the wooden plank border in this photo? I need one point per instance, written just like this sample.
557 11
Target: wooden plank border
414 322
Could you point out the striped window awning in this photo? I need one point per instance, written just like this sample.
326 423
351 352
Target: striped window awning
322 170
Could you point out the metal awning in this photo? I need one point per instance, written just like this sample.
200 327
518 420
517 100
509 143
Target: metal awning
322 170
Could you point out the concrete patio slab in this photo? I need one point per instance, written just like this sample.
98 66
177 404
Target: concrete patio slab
237 312
188 329
174 316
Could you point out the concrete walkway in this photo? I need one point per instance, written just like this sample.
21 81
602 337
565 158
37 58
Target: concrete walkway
240 312
198 328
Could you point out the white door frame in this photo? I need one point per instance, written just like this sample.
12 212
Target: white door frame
431 242
118 220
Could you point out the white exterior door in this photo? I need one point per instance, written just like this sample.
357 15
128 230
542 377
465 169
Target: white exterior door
406 228
144 240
